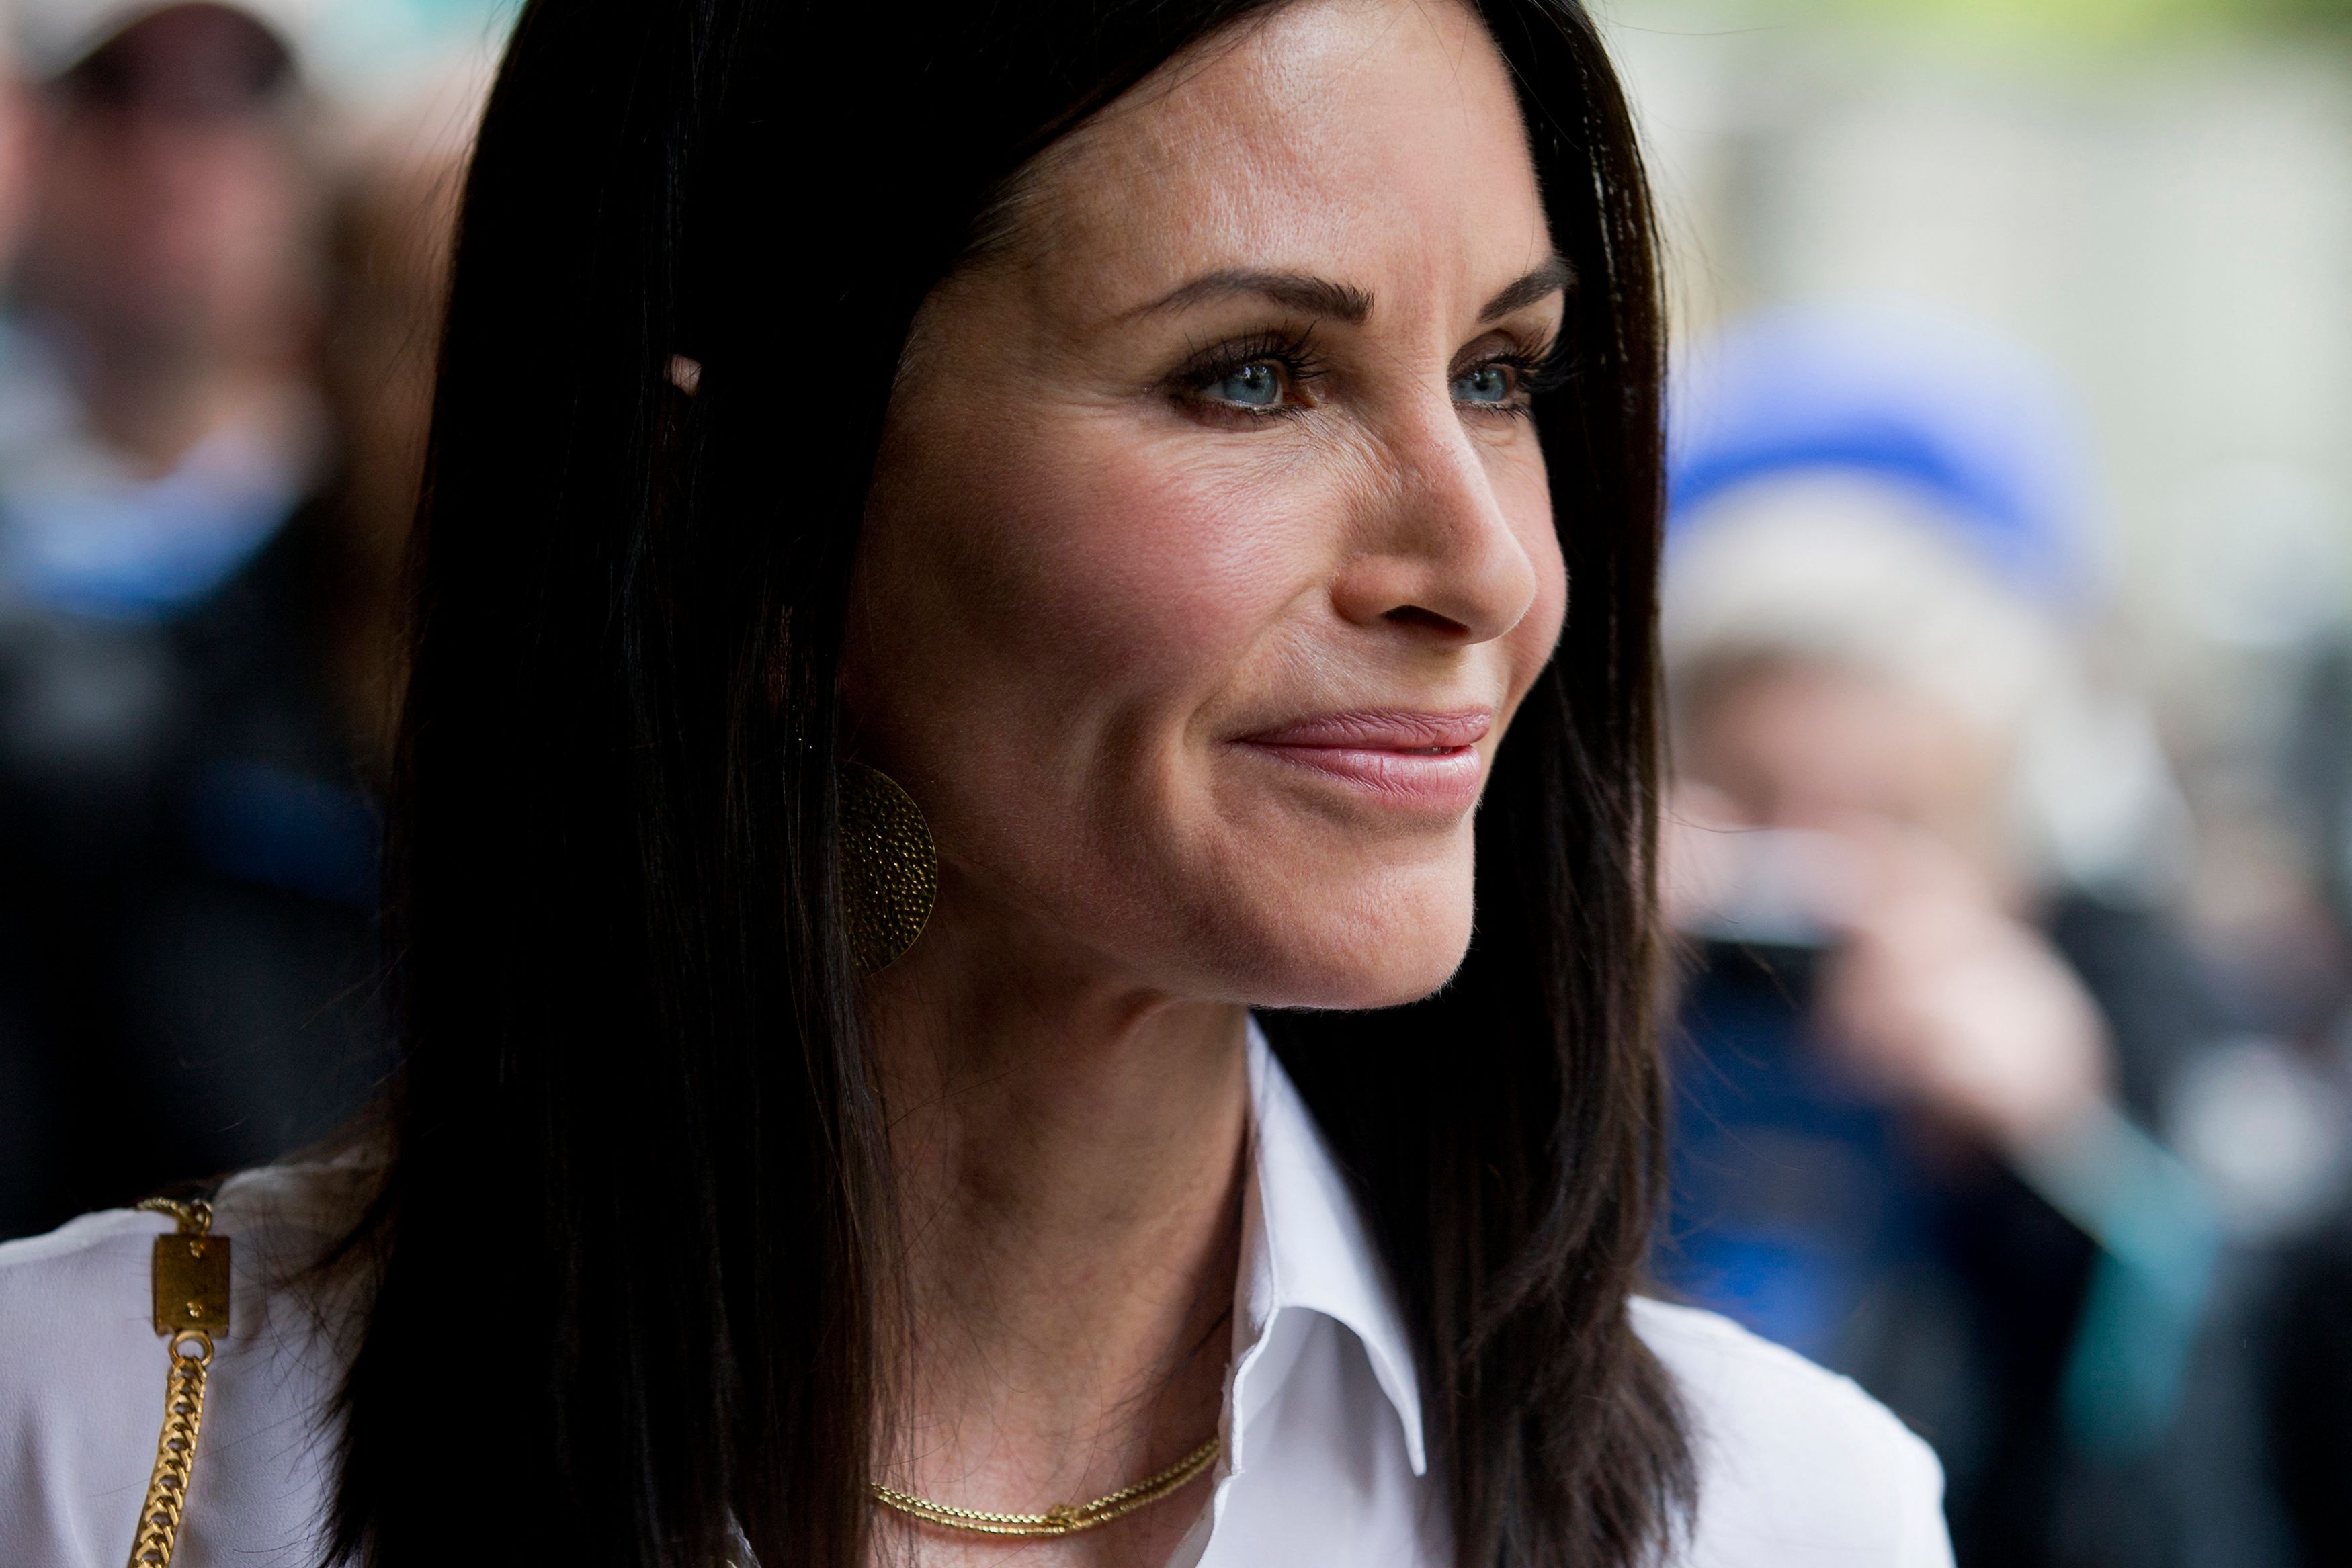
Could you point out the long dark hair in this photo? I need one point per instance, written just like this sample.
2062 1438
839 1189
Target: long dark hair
626 1256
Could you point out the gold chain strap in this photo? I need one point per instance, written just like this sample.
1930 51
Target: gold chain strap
191 1297
192 1302
1063 1518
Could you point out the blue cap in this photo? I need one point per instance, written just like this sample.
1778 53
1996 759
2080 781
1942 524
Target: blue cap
1963 418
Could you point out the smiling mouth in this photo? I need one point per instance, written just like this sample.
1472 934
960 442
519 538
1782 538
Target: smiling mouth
1427 761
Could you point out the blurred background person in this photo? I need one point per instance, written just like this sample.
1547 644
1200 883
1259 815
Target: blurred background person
208 450
1938 1000
2149 196
2291 1107
26 1136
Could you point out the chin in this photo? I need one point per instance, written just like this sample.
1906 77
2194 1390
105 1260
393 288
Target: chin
1384 954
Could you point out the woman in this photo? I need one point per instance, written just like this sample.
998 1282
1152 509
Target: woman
1127 427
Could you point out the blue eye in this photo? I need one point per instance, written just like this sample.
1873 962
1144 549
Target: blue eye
1492 385
1257 385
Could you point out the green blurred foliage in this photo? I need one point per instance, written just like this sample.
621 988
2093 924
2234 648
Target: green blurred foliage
2059 23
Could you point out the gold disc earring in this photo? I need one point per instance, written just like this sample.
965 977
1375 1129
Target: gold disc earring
889 866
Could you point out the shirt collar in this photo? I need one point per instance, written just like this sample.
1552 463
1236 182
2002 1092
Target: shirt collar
1307 1251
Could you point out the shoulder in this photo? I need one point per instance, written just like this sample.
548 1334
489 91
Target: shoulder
82 1380
1798 1467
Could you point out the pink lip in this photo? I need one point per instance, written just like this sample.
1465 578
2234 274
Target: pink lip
1428 761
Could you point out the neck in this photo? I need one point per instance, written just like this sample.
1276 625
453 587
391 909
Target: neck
1069 1156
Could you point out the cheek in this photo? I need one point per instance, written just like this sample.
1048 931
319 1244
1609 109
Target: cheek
1105 570
1052 630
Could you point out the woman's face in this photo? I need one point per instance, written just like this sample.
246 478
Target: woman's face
1210 550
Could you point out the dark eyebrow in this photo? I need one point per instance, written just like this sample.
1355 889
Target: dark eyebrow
1298 290
1345 302
1553 276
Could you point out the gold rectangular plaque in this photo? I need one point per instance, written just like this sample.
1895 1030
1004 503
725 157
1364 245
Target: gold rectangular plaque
192 1283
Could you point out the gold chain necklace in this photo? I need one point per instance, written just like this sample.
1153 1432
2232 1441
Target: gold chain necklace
1063 1518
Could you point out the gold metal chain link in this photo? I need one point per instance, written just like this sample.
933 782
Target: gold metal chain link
190 1290
1062 1518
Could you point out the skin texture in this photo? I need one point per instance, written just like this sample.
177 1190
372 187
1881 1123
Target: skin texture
1088 580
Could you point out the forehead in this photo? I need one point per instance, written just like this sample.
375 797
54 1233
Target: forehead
1330 135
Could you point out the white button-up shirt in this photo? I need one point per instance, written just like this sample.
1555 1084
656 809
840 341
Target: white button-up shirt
1324 1459
1325 1463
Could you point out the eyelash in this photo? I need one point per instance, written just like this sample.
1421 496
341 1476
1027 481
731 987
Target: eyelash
1294 352
1538 368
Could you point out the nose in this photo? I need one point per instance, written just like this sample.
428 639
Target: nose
1437 554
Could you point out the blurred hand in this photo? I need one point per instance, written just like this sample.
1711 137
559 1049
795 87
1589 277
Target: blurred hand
1952 1003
